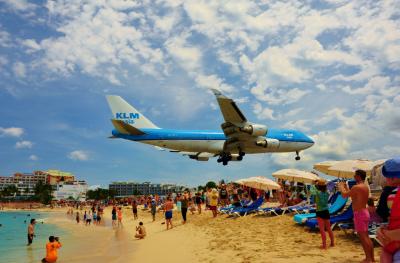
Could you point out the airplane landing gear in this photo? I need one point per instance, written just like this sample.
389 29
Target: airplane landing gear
297 156
224 158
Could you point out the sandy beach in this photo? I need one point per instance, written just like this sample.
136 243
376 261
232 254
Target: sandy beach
254 238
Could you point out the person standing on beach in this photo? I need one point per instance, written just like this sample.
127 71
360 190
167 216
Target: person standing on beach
359 195
168 206
31 231
153 209
119 212
389 235
184 207
198 202
114 216
213 201
323 216
134 210
89 218
51 250
77 217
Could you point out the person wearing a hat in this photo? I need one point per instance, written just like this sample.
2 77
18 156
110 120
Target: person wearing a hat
359 195
322 211
389 235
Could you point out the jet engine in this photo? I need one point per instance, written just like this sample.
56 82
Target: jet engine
236 157
198 158
268 143
255 129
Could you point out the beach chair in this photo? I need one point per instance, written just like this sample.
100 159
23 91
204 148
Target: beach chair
335 208
251 208
346 216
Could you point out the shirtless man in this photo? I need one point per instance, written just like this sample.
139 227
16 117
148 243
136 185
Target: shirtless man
141 231
31 231
359 195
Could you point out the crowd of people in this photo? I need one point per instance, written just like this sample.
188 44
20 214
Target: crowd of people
364 209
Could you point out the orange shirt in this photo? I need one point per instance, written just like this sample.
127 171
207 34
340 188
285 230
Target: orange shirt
51 251
119 212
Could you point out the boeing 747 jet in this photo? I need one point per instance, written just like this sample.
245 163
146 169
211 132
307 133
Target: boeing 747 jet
237 136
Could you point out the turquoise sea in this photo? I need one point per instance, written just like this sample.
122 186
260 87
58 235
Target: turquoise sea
13 236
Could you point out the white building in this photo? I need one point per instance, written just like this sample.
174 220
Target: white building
75 190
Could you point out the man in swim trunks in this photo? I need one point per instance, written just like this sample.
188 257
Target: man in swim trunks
31 231
168 206
359 195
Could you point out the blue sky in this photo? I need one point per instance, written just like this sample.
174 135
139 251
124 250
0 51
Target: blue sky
328 68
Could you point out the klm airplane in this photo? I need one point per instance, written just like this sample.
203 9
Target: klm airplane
238 137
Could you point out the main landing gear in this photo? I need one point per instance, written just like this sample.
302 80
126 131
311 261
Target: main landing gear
297 156
224 158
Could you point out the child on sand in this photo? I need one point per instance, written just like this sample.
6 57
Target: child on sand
140 231
51 250
119 212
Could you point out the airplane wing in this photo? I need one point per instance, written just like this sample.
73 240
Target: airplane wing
237 129
229 109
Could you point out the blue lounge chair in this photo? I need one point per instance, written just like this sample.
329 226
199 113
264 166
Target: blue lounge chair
336 207
251 208
346 216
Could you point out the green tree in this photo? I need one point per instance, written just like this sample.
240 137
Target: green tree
9 190
43 193
100 194
211 184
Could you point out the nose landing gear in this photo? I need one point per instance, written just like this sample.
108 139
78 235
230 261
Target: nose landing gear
297 156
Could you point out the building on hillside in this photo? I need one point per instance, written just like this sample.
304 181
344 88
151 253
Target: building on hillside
75 190
123 189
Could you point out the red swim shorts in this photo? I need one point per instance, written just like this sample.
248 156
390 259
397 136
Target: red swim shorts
213 208
361 220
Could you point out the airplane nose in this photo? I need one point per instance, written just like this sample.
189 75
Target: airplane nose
311 141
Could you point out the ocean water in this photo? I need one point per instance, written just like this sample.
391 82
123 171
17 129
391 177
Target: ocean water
13 236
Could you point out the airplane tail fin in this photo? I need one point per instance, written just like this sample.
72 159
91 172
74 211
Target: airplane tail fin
124 116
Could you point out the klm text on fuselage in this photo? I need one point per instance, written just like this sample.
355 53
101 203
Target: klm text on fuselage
127 117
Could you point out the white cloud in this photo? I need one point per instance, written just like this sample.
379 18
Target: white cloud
33 157
213 82
19 69
19 5
263 113
12 131
31 45
5 39
78 155
23 144
188 56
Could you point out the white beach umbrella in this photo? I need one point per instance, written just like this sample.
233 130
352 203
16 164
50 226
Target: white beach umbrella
324 166
259 182
294 175
347 168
